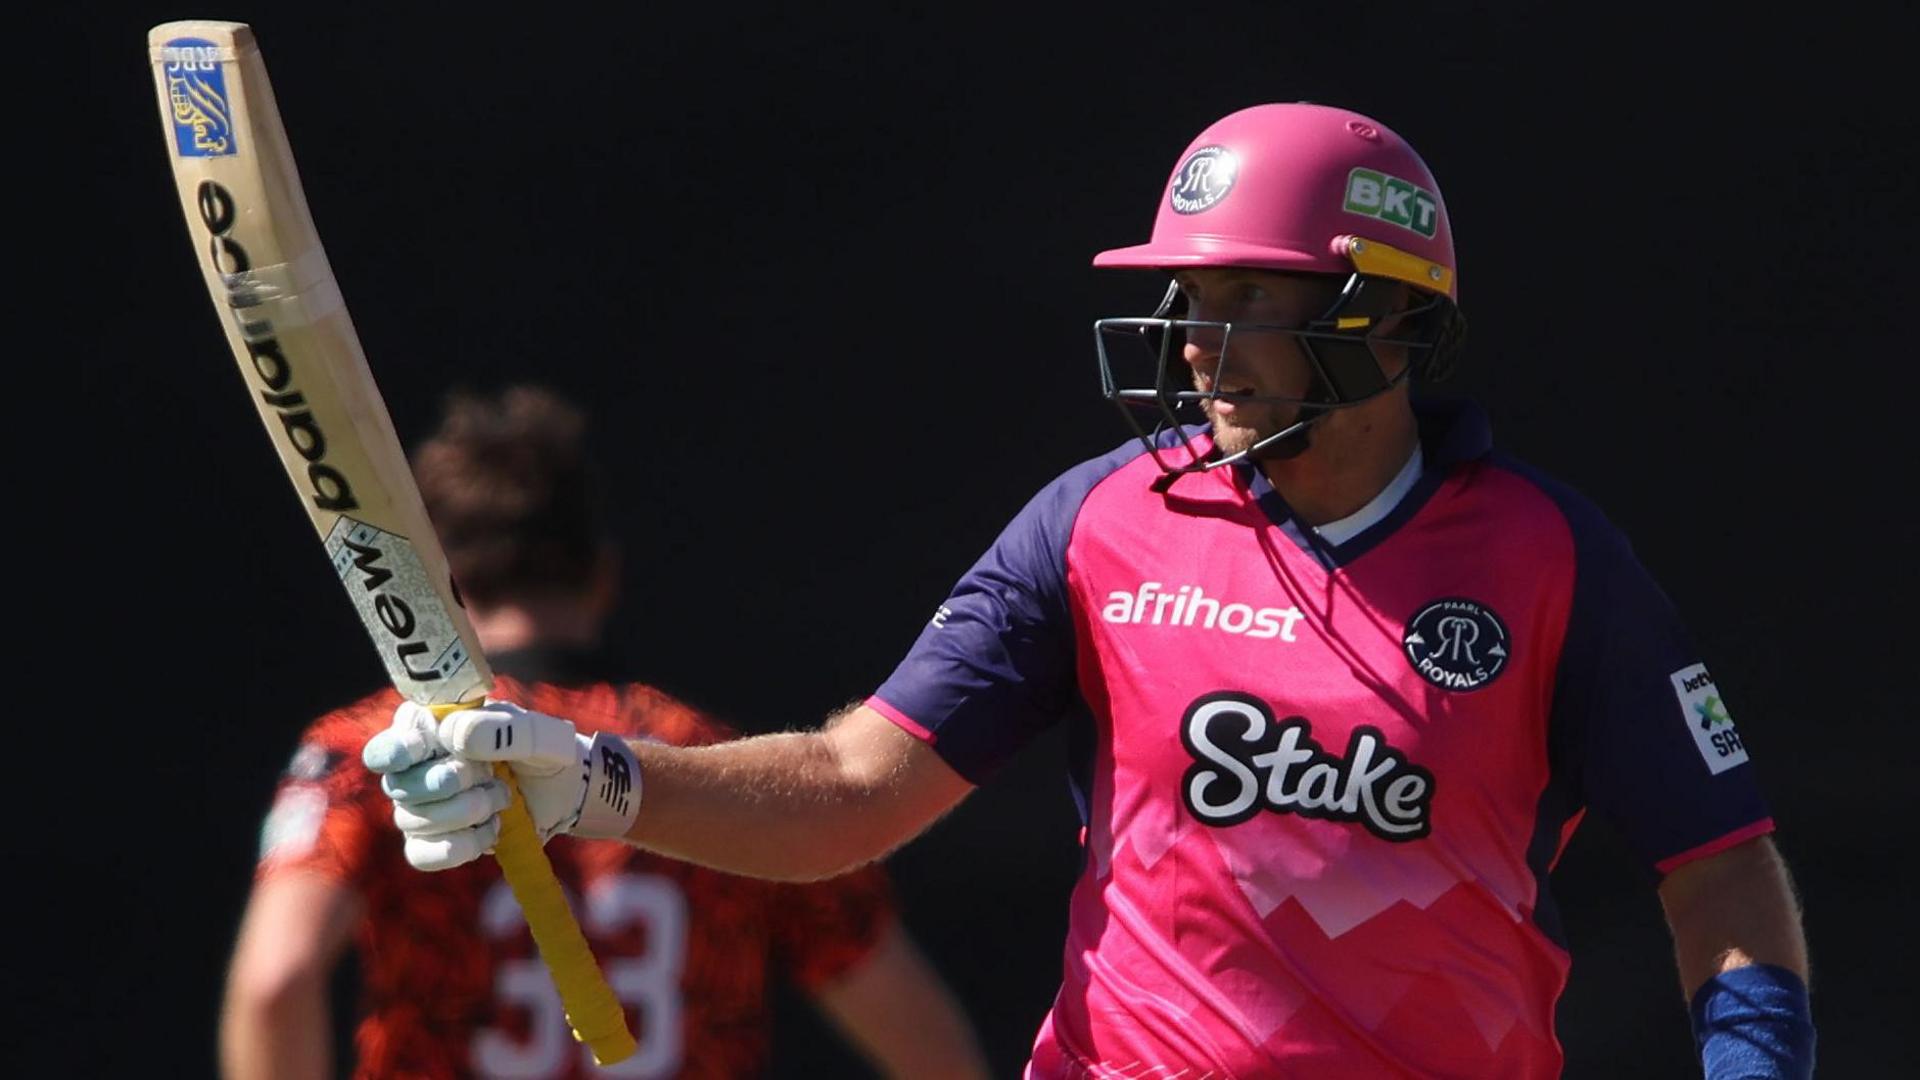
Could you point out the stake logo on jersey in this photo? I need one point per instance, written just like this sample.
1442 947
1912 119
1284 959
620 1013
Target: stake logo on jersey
1706 716
1203 179
1244 761
1456 644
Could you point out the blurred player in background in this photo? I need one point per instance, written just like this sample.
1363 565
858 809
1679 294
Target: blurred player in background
451 983
1351 680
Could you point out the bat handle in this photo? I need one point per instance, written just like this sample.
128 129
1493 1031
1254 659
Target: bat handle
592 1009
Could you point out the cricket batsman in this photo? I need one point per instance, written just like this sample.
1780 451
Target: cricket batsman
1341 679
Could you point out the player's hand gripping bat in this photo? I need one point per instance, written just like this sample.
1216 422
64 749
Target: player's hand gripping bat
302 362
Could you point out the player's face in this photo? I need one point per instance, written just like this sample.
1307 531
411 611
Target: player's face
1266 364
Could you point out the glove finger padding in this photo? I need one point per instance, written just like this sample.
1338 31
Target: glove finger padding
448 850
536 744
411 739
432 781
463 811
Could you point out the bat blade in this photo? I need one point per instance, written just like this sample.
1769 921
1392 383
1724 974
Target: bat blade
289 330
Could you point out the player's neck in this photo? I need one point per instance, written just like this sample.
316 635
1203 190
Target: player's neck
1347 465
511 626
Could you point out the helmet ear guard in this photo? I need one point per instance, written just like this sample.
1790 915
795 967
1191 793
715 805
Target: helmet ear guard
1342 356
1446 331
1440 327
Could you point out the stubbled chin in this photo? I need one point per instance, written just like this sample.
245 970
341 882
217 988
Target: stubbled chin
1233 435
1233 440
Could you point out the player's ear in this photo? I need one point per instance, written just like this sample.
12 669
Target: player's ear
1401 297
1395 326
603 585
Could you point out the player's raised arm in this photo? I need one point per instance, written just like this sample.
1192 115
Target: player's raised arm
795 806
993 667
799 805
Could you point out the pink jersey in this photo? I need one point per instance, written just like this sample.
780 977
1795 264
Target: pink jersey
1324 786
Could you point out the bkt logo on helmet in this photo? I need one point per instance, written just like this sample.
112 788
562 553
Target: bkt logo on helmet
1203 179
1392 200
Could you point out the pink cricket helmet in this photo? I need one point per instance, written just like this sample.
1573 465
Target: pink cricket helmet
1306 188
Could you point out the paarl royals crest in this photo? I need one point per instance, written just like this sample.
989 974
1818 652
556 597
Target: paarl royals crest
1203 179
1457 644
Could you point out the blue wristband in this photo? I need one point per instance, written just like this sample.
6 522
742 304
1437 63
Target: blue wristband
1754 1023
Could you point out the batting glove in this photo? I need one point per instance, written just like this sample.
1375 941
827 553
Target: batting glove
447 801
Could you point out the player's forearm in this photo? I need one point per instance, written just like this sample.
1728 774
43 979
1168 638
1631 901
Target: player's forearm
895 1008
1733 909
1743 963
283 1035
277 1019
794 807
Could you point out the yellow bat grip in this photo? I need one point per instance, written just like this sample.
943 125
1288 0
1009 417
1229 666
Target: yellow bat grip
592 1009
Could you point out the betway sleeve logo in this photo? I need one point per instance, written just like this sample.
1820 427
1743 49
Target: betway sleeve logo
1153 604
1707 719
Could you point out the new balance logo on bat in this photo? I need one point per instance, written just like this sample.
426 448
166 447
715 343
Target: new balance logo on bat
326 485
381 573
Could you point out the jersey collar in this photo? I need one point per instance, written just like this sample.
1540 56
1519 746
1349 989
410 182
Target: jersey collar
1452 433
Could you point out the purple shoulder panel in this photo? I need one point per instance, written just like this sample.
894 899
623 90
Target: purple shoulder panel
1639 731
995 665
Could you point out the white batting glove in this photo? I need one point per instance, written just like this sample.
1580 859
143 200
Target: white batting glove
447 801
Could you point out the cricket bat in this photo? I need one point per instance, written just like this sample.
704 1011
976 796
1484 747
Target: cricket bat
289 330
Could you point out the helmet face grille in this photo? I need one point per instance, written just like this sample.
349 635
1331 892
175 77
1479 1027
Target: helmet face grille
1144 368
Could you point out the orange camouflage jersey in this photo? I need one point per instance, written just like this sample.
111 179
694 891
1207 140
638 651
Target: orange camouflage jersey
451 984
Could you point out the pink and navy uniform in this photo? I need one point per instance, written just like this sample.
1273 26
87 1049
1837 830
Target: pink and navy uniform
1324 784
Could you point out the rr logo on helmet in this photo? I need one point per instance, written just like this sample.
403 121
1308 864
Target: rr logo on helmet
1203 179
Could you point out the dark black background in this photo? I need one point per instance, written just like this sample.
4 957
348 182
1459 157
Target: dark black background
824 282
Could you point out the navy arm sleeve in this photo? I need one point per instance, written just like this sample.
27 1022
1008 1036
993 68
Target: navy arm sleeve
1638 724
995 666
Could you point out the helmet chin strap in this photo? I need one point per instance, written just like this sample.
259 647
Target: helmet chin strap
1290 441
1345 373
1283 445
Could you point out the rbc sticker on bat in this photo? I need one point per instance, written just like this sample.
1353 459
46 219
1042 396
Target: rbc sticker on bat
197 92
